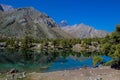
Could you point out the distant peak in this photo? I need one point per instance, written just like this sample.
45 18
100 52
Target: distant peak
6 8
63 23
82 24
84 31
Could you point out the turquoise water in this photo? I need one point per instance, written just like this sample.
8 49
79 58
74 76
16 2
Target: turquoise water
36 61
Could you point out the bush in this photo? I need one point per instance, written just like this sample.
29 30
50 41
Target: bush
97 60
109 63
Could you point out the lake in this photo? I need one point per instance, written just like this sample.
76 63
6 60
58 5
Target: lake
45 61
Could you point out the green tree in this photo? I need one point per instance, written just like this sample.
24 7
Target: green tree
118 28
10 42
15 45
110 45
106 48
117 52
26 42
54 43
41 47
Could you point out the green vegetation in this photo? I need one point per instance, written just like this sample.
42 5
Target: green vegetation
110 45
26 42
2 75
118 28
97 60
109 63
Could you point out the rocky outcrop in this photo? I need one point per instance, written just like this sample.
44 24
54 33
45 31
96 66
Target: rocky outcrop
84 31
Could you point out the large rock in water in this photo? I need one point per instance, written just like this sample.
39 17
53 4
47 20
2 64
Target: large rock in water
84 31
23 22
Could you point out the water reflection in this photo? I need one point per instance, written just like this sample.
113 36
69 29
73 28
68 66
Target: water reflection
42 61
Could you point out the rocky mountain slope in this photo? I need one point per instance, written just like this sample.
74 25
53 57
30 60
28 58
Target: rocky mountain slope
84 31
23 22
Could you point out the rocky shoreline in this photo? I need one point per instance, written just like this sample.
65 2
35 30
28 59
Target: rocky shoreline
13 74
102 73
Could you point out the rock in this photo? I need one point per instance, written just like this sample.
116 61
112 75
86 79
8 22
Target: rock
23 74
13 70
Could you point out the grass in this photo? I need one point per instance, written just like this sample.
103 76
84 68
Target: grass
2 75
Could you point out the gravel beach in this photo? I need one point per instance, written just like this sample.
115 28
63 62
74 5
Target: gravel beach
102 73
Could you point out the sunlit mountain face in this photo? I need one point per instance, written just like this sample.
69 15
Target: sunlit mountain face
84 31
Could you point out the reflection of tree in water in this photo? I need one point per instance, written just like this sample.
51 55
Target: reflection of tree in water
31 56
42 57
8 56
34 60
27 55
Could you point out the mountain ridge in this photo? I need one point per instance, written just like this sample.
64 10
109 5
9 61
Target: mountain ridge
84 31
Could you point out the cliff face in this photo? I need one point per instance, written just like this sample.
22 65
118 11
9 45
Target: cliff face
29 22
84 31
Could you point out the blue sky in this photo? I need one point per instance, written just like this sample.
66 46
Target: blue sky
101 14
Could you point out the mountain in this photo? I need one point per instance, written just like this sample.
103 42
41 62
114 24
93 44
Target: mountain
28 21
84 31
5 8
63 23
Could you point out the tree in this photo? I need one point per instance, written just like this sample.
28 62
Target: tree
106 48
26 42
110 45
10 42
117 52
16 44
54 43
41 47
87 41
118 28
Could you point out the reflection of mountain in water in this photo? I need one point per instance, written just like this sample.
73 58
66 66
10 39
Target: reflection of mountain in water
24 57
28 60
24 60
